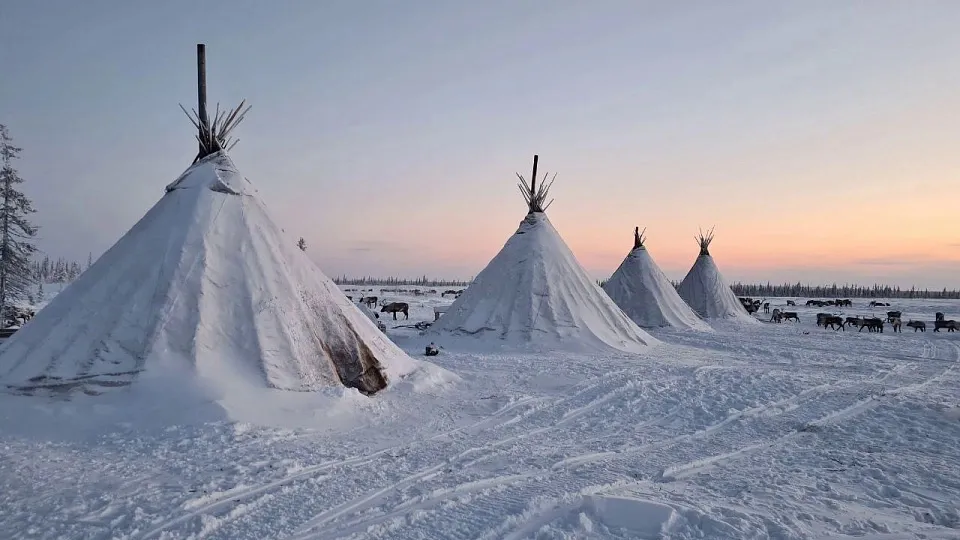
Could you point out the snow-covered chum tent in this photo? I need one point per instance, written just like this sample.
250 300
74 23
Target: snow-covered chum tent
534 295
705 290
645 294
207 287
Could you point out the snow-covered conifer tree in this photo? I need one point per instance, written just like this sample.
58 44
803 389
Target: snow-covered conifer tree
16 231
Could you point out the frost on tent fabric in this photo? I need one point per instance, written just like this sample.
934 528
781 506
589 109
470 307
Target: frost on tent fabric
706 291
534 295
645 294
205 286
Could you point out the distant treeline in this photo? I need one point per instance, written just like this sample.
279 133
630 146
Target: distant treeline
423 281
839 291
799 290
58 270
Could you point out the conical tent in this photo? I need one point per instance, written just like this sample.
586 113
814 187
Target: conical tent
705 290
205 283
534 295
645 294
205 286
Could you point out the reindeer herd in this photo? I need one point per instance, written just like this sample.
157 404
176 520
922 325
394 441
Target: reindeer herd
872 324
396 307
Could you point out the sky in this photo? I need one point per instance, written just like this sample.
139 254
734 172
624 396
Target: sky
820 138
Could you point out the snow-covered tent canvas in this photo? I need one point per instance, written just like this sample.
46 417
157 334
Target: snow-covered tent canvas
705 290
645 294
205 286
534 295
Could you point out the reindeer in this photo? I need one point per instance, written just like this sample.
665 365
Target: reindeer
791 303
821 317
766 307
777 317
891 315
917 325
872 325
790 316
397 307
939 316
834 322
853 321
951 326
370 301
897 324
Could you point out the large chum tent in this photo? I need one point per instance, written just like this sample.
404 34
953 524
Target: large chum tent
534 295
204 286
645 294
705 290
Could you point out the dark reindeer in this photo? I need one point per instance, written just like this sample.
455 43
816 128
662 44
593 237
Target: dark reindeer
872 325
397 307
791 303
891 315
834 322
790 316
951 326
370 301
917 325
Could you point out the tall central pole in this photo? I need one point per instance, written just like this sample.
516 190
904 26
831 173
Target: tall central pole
202 89
533 178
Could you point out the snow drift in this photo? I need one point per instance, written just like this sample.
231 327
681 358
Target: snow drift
534 295
205 288
645 294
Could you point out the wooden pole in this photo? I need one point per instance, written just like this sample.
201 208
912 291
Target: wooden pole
202 88
533 178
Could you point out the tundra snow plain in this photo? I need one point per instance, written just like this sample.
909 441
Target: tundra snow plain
759 431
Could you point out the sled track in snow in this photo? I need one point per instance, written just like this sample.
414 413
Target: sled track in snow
496 477
544 511
501 419
231 498
523 486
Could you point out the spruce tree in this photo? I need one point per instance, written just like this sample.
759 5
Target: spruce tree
16 231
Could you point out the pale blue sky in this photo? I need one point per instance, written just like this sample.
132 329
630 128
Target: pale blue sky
387 133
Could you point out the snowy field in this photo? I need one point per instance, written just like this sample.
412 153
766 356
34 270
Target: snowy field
770 431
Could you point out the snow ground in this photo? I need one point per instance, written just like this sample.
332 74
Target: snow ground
766 431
